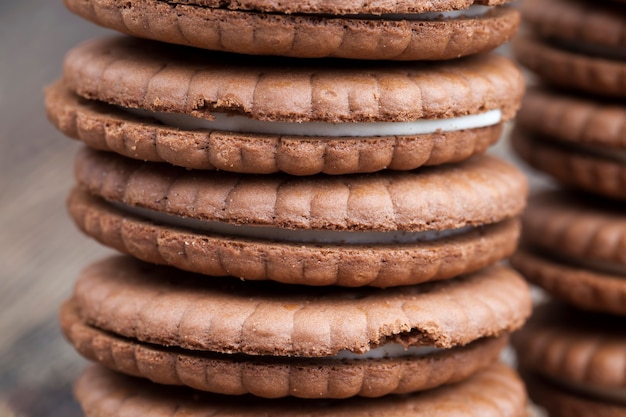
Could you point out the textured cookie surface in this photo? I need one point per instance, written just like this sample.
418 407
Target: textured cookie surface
481 201
594 23
169 307
107 127
560 402
309 29
574 118
141 74
279 377
579 227
563 68
571 345
584 288
599 173
497 392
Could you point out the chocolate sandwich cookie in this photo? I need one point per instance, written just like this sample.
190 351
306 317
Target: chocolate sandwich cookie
578 140
208 110
578 361
383 229
273 340
391 30
496 392
575 248
576 44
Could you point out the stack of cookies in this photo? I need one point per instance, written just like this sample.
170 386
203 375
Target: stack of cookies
573 127
302 229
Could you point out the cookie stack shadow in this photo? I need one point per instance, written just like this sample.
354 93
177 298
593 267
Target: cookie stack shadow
297 230
572 126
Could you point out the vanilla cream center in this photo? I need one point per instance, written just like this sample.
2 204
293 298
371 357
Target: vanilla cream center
287 235
392 350
243 124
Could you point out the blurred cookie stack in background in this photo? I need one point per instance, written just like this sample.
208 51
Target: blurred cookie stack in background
572 126
317 224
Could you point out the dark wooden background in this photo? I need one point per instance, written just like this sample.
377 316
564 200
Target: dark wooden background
41 251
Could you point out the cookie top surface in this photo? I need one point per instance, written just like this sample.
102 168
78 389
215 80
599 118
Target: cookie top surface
497 392
602 173
387 370
364 147
475 192
577 226
574 118
595 23
570 345
389 30
168 307
572 68
565 401
156 77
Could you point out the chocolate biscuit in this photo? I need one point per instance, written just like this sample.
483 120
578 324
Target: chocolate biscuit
314 29
384 229
174 328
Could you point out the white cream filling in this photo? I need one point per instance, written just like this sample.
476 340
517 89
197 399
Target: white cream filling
602 51
287 235
608 394
242 124
392 350
475 10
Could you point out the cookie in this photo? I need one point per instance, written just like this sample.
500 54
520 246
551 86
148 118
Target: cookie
496 392
559 402
579 355
273 340
591 169
384 229
574 249
580 121
576 44
205 110
397 30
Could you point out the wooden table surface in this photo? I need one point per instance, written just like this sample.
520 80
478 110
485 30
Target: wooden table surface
42 252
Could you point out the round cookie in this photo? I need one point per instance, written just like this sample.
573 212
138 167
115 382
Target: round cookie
577 120
574 361
587 168
576 44
559 402
232 337
566 69
384 229
205 110
496 392
396 30
587 24
574 249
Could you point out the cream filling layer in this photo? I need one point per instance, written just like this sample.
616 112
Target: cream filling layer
608 394
242 124
392 350
288 235
473 11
